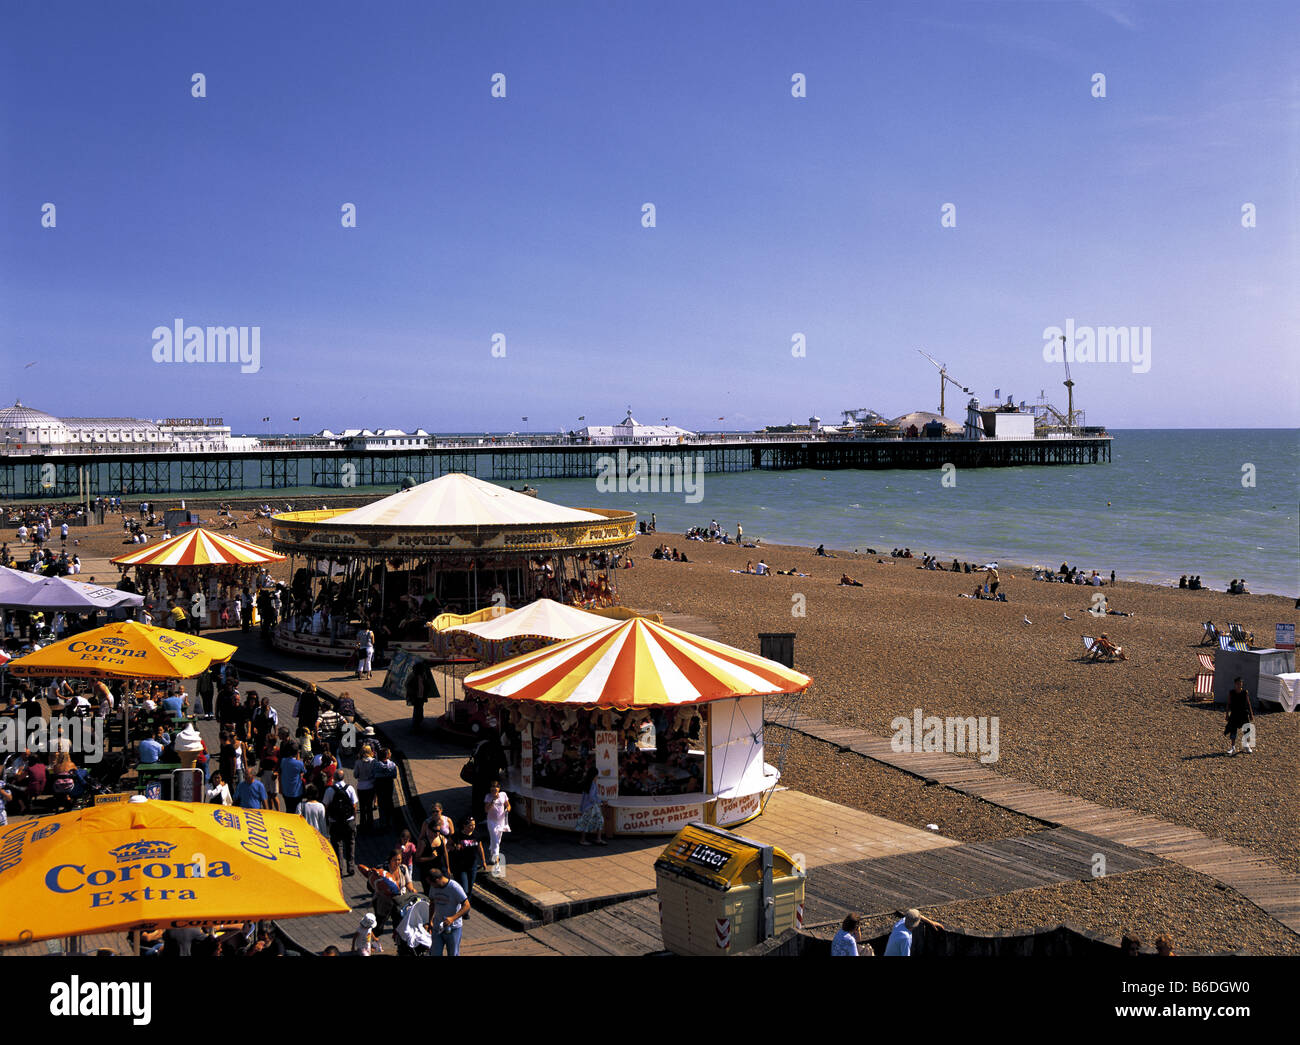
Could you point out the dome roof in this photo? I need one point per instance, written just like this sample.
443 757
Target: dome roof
19 416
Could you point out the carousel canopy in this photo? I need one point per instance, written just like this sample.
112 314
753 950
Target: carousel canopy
200 548
636 663
32 591
460 500
543 619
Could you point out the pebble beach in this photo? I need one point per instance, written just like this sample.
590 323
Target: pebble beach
1125 734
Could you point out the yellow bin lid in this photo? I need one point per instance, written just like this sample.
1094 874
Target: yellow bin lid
719 858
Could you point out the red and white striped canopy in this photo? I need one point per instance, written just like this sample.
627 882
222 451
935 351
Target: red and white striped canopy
636 663
200 548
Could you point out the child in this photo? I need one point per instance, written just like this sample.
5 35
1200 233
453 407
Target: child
364 941
407 846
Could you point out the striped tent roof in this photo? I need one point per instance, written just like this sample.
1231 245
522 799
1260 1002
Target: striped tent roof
636 663
200 548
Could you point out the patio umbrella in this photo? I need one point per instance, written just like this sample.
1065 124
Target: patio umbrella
144 865
32 591
125 650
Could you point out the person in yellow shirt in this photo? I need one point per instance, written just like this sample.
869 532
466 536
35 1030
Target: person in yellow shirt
177 616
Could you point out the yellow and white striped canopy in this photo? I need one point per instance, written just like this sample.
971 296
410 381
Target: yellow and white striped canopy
200 548
636 663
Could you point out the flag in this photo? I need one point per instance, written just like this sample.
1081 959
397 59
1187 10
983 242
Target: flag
295 419
583 417
523 419
997 393
266 419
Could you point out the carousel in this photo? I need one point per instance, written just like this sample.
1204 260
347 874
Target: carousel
671 722
456 545
194 562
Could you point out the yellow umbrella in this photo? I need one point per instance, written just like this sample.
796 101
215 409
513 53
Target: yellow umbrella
125 650
146 865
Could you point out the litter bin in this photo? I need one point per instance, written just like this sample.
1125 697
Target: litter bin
722 894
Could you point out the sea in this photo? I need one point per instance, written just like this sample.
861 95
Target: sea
1223 504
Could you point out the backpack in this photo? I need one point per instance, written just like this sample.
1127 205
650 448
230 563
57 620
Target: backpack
341 807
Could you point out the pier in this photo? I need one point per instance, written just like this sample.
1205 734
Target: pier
309 462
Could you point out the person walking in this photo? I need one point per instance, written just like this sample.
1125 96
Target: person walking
448 906
206 688
496 806
251 793
292 778
465 856
385 785
1240 719
312 810
365 651
341 811
591 814
364 771
308 710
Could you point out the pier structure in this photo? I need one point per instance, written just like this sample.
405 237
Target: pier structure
312 463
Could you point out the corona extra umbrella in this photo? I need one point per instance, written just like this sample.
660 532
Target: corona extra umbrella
125 650
636 664
199 548
136 865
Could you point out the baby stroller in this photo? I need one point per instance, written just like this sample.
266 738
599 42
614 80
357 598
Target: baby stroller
411 935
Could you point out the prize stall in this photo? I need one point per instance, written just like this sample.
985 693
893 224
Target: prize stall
672 723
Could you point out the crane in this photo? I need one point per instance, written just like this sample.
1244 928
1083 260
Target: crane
943 379
1069 386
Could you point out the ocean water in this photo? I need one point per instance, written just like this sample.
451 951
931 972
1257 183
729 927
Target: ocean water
1223 504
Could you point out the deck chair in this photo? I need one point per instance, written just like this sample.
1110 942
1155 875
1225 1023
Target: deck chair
1207 662
1241 638
1204 684
1094 649
1211 634
1225 642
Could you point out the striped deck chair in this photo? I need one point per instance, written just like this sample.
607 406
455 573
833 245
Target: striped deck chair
1207 662
1225 642
1241 638
1094 651
1204 684
1211 634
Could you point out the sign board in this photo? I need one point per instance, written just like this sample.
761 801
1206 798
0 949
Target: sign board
554 814
1284 636
526 757
112 797
187 785
607 763
734 810
656 820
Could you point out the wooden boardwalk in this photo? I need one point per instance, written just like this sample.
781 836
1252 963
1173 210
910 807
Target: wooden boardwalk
964 872
1258 879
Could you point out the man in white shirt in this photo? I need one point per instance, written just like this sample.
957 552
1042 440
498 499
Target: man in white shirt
761 569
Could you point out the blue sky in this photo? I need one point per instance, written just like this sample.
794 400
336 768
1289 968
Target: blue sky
522 215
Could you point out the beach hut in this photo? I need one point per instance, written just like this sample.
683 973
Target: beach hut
672 722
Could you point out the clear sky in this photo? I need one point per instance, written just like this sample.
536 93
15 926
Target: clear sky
774 215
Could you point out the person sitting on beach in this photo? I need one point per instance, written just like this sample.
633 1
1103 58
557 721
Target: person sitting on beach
847 581
749 566
1182 581
682 559
1105 648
